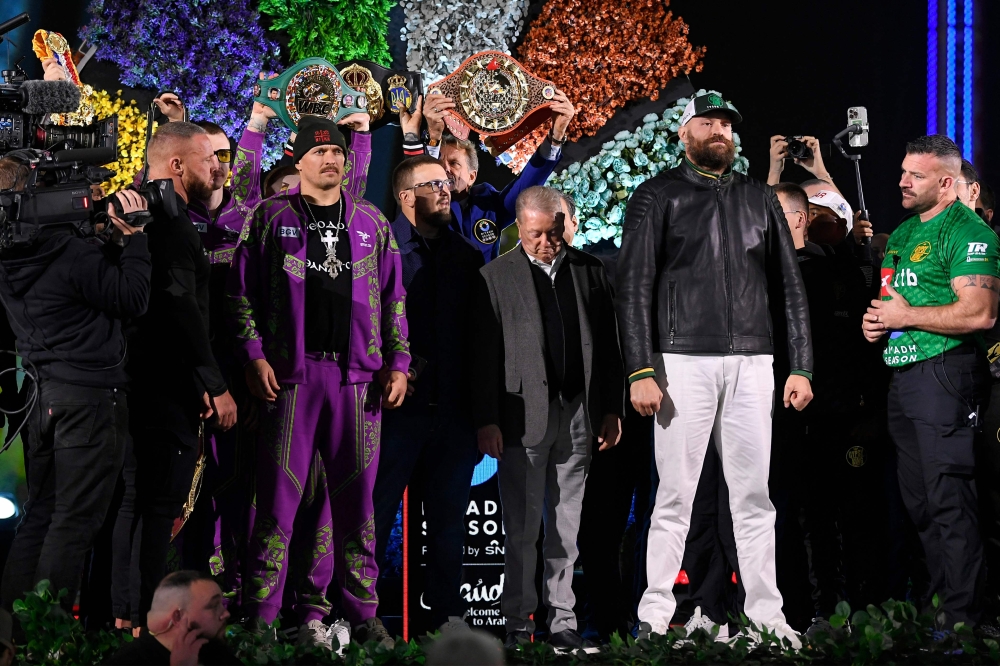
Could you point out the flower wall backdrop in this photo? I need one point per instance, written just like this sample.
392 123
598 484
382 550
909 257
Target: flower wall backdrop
441 34
602 185
336 30
603 54
209 53
131 134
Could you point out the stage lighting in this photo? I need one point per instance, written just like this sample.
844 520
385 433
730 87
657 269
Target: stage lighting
8 506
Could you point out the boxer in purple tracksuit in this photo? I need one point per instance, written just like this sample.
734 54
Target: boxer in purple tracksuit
316 296
220 528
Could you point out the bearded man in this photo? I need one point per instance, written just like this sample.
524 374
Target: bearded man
701 249
431 436
316 298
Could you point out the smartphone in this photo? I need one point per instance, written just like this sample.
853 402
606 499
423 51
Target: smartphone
858 115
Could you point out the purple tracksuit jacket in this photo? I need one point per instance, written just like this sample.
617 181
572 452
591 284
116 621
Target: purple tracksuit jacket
266 291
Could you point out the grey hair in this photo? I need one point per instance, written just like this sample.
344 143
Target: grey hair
570 204
469 148
539 198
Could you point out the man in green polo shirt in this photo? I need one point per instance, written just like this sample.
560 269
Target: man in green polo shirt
939 293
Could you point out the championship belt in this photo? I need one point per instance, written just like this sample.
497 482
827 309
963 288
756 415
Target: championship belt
311 87
199 475
47 45
495 96
387 92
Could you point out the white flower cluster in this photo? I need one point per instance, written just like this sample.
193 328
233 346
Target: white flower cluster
602 185
441 34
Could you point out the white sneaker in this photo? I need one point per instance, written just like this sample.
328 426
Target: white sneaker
699 621
782 630
341 630
315 633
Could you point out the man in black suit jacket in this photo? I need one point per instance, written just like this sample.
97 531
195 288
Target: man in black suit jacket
548 379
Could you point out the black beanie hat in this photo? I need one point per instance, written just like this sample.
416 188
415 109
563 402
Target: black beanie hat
316 131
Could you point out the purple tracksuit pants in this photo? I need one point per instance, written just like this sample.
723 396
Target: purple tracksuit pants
341 424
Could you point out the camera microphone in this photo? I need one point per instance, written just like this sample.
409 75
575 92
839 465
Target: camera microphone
42 97
86 155
16 22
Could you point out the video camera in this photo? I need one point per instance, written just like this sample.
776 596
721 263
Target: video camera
25 106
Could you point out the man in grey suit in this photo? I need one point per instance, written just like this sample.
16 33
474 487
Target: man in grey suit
548 379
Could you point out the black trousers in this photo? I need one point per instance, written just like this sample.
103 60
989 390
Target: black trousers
930 404
607 502
77 438
158 478
988 485
435 451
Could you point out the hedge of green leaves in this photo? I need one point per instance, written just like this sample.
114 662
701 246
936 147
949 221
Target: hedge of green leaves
336 30
894 633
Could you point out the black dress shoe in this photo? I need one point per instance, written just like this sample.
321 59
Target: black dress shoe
570 639
515 638
988 630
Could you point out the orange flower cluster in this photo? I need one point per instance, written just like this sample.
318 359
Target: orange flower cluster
603 54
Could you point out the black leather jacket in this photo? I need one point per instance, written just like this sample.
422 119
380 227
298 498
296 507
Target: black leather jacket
698 256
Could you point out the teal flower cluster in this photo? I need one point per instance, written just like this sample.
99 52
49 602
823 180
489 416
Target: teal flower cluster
602 185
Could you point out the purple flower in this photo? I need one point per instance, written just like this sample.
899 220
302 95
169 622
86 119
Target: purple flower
209 53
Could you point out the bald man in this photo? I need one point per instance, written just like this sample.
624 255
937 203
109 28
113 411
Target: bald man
176 383
187 625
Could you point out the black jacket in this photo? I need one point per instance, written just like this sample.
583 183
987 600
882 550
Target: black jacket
65 300
511 387
171 362
440 291
698 256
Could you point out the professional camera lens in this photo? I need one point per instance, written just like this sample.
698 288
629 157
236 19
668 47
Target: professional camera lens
797 149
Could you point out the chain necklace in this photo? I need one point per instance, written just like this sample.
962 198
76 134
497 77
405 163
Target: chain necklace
332 265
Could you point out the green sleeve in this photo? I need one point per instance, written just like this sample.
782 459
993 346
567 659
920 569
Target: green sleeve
975 249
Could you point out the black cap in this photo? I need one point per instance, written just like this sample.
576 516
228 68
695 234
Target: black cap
316 131
707 103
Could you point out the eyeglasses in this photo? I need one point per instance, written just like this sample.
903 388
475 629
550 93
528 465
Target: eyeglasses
966 182
789 212
432 186
225 155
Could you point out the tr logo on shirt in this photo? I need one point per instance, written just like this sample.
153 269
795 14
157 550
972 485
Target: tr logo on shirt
978 248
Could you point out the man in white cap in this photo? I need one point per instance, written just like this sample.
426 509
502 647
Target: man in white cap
830 217
701 247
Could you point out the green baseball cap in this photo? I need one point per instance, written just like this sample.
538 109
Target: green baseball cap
707 103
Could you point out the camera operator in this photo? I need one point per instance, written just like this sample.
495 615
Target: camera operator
176 379
811 159
65 298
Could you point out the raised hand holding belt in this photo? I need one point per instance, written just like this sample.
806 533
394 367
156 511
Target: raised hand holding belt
309 87
387 91
496 97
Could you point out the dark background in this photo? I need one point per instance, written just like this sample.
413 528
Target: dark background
790 67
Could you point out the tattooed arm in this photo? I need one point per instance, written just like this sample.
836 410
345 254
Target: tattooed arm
975 310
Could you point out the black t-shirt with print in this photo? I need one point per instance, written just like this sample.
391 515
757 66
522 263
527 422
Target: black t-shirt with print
328 279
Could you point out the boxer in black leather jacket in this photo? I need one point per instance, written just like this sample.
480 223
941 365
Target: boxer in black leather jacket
705 252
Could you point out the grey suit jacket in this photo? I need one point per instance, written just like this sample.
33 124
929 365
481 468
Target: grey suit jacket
509 376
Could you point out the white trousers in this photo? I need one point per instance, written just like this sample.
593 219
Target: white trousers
731 397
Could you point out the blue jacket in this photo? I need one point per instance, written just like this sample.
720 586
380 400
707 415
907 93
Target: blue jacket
440 286
482 215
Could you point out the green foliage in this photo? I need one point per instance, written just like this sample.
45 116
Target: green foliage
336 30
894 633
54 636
